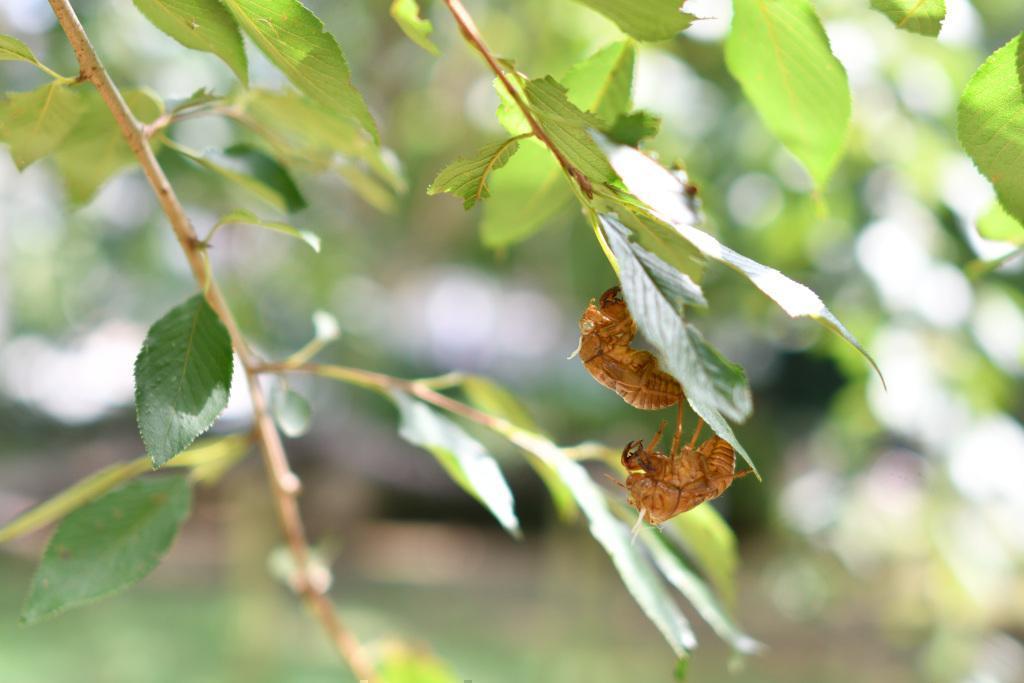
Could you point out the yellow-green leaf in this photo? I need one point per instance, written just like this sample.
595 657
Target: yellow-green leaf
644 19
406 14
35 123
467 177
919 16
204 25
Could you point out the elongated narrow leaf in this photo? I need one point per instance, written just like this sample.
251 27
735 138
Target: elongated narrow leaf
465 458
779 53
639 577
602 84
12 49
268 171
35 123
255 187
492 398
991 123
526 196
294 39
406 14
644 19
715 388
919 16
665 194
95 150
710 541
467 177
204 25
182 378
697 593
249 218
108 545
569 128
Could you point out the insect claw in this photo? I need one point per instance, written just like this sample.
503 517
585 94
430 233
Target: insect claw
577 351
635 531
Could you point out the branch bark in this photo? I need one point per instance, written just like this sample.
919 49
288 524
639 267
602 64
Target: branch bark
284 483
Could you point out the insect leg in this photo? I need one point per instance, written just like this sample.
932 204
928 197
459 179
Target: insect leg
696 432
657 436
674 451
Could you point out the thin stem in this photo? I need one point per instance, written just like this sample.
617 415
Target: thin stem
469 30
283 482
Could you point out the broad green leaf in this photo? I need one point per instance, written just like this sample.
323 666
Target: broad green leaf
644 19
464 458
204 25
510 114
294 39
35 123
639 577
249 218
568 128
991 123
299 126
467 177
528 193
779 53
490 397
291 412
12 49
95 150
406 14
603 83
919 16
715 388
696 592
268 171
996 224
182 378
631 129
664 193
108 545
712 544
400 664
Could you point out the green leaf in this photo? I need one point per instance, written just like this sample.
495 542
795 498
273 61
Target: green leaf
510 114
996 224
568 128
991 123
603 83
636 572
268 171
254 186
293 38
12 49
401 664
528 193
631 129
466 177
204 25
697 592
644 19
35 123
200 97
464 458
920 16
291 412
108 545
490 397
779 53
95 150
712 544
182 378
666 196
310 133
406 14
249 218
715 388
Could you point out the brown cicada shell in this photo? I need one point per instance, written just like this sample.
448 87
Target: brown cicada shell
662 486
606 331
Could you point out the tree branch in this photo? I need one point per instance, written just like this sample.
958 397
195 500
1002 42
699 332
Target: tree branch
283 482
470 32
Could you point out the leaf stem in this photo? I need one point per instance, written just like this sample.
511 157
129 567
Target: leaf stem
284 483
470 32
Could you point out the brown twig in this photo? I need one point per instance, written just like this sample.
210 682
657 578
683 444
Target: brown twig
284 484
469 30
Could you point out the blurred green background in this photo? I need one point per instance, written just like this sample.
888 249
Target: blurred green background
885 543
